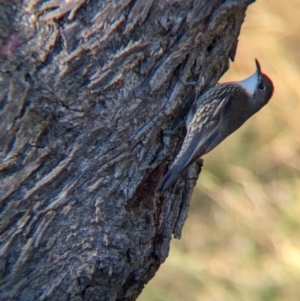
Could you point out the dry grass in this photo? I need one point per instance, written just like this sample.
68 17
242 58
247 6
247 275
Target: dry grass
242 237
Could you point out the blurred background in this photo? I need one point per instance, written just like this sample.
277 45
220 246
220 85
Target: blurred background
241 240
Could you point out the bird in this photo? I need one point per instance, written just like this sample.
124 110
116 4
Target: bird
216 114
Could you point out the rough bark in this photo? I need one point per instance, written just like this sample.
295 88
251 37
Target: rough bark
91 108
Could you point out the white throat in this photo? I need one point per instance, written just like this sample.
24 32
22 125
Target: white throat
250 83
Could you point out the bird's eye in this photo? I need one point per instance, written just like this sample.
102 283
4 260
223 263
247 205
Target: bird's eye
261 86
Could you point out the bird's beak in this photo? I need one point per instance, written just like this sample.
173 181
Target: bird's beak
258 70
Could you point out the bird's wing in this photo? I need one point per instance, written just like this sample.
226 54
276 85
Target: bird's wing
202 130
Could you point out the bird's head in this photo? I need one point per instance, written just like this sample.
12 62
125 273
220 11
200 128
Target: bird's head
258 86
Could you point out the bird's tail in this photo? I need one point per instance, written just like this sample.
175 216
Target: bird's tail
190 149
169 178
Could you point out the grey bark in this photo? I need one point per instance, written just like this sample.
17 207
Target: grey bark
91 108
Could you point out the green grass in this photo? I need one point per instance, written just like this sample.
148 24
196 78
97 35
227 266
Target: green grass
241 240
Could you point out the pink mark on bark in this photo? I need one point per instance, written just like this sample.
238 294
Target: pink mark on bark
11 46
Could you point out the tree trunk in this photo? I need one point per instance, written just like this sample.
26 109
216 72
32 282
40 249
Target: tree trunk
91 108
